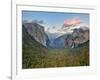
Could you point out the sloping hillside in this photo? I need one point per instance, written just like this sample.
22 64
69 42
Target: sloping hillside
32 51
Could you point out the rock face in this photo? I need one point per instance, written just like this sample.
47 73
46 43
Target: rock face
37 32
77 37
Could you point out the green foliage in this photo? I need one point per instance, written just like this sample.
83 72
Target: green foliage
36 57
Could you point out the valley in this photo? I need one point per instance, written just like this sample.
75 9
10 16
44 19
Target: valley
37 52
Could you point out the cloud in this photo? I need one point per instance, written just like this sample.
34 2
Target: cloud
70 22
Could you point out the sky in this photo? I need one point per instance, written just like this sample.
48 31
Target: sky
55 19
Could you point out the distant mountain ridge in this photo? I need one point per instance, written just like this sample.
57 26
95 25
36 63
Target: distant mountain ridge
60 38
70 36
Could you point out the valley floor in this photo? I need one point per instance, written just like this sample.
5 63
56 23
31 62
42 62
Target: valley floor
57 58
